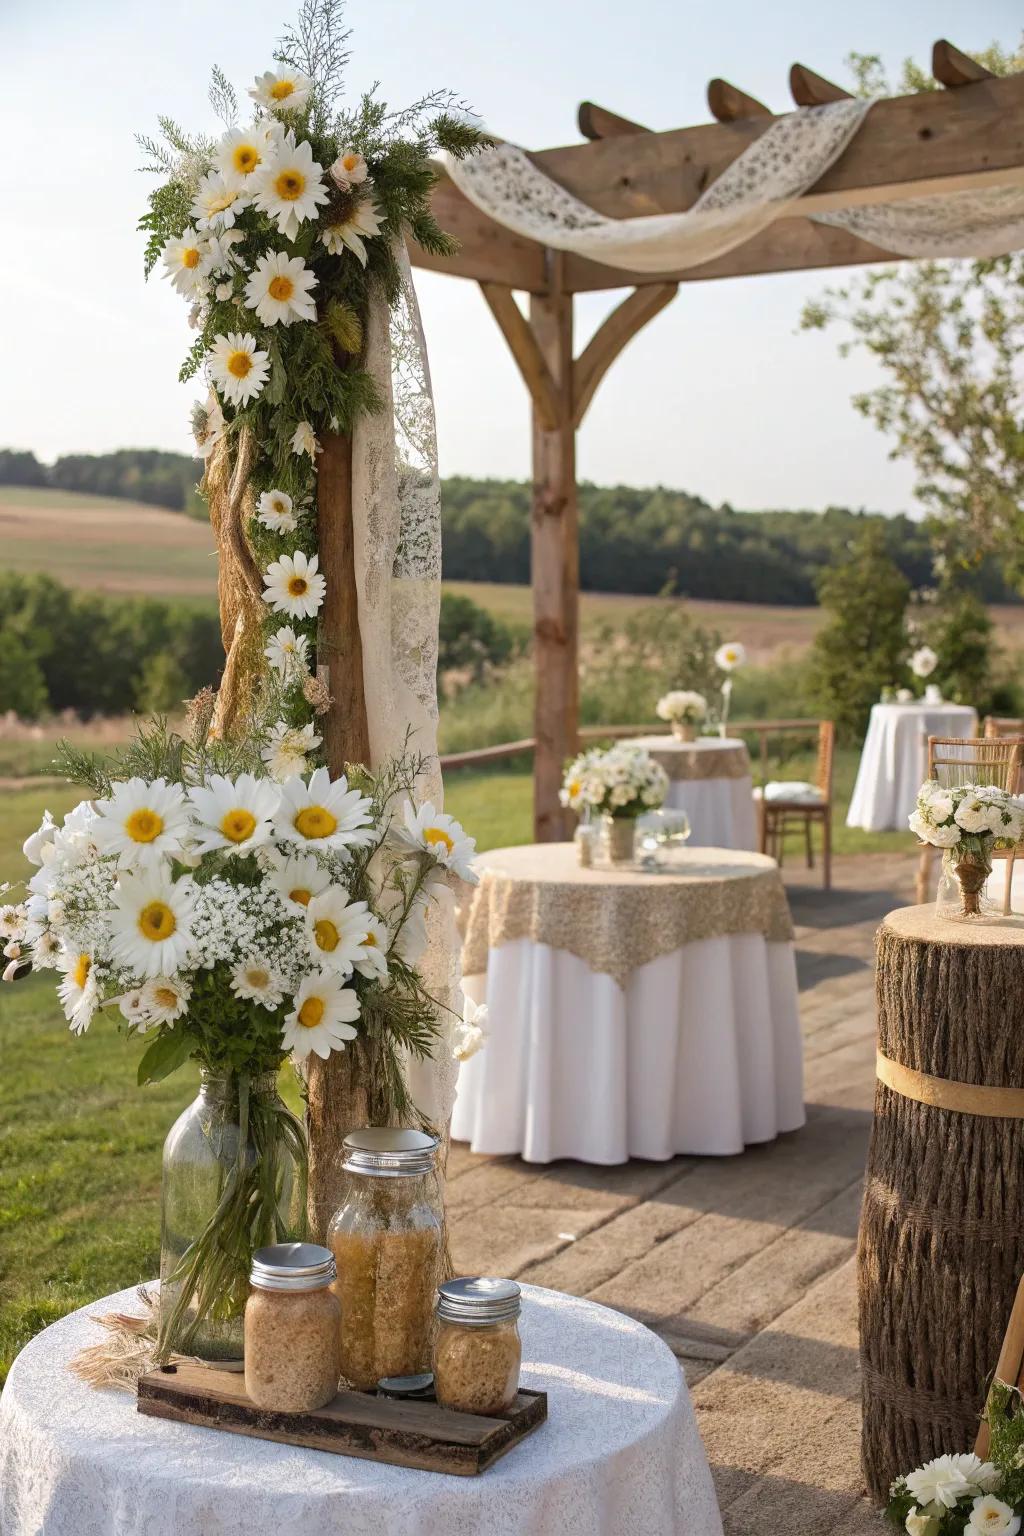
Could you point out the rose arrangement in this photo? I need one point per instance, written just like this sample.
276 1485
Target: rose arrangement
623 781
961 1495
682 706
968 822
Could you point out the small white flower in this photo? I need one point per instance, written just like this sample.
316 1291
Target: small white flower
947 1479
304 440
141 823
255 982
372 959
208 424
349 170
730 656
133 1007
923 662
221 256
293 585
991 1515
78 991
12 922
278 289
298 879
234 814
240 152
288 653
37 843
285 749
920 1524
237 367
441 836
218 202
362 223
276 511
151 925
165 998
186 263
336 929
290 188
224 291
470 1034
321 1020
282 89
45 951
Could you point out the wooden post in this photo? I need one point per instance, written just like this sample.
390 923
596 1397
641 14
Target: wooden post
337 1089
555 562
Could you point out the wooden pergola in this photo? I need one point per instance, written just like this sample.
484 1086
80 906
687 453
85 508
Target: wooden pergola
968 136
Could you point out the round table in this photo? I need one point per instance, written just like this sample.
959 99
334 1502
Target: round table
941 1247
894 760
710 780
620 1452
631 1014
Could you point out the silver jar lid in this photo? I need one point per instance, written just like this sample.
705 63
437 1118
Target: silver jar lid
389 1154
292 1267
478 1302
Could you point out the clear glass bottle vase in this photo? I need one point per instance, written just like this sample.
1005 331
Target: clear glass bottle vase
225 1193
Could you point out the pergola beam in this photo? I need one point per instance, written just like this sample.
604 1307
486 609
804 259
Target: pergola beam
525 349
953 69
810 90
596 122
728 104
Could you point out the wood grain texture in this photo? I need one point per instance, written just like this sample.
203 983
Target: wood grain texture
596 122
953 69
403 1434
728 104
522 343
810 90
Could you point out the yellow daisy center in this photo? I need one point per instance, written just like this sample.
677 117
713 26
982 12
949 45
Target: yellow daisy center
245 158
290 185
157 922
326 935
144 826
574 786
370 941
349 162
166 997
237 825
218 204
277 504
190 258
258 978
282 89
302 896
311 1013
239 364
281 289
316 821
298 586
437 835
80 974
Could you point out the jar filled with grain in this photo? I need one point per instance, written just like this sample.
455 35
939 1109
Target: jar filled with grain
292 1328
477 1352
386 1239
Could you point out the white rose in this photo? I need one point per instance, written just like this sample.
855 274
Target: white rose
34 846
918 1524
940 807
945 837
991 1515
973 815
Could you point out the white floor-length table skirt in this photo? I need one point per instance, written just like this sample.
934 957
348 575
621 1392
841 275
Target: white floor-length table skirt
721 809
894 760
620 1453
700 1052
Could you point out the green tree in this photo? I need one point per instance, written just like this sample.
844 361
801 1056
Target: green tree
163 686
862 646
470 638
22 684
960 634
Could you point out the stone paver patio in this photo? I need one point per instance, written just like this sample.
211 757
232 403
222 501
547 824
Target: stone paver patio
744 1265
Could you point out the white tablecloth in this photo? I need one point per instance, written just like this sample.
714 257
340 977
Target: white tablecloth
721 810
619 1456
895 759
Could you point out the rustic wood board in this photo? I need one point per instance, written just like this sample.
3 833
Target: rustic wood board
403 1433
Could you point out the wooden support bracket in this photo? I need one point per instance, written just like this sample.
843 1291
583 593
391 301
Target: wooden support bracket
810 90
952 68
524 347
598 123
728 104
609 339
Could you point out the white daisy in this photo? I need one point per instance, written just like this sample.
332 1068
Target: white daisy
321 1018
240 152
730 656
293 585
298 879
78 991
12 922
151 924
372 959
45 952
237 368
304 440
186 262
276 511
221 257
224 291
322 814
288 653
218 202
164 999
470 1033
336 929
361 224
142 823
282 90
252 981
133 1007
285 749
441 836
278 289
349 170
233 813
290 188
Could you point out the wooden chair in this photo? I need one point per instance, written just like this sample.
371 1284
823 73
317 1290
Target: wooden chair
955 760
1002 725
780 816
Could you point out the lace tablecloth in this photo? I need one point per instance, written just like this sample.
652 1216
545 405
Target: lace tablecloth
620 1453
710 780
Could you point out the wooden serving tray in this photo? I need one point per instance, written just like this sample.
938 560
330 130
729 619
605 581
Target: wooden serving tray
404 1433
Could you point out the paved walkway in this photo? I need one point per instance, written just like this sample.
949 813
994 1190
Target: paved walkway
744 1265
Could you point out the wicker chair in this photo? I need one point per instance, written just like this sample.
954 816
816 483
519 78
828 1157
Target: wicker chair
1002 725
992 759
779 815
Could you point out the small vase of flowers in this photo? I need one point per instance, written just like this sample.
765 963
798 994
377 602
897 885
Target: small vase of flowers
961 1495
684 710
968 822
618 785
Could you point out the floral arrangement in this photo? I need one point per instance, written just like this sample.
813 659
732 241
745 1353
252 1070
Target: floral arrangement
623 781
682 707
235 921
275 234
968 821
961 1495
923 662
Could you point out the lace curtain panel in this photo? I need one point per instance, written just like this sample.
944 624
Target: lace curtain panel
761 185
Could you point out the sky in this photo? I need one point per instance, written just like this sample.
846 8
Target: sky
721 395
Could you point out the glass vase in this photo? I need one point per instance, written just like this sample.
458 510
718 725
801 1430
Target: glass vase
234 1180
684 730
961 894
618 838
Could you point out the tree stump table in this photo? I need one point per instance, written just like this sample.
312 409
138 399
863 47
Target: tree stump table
941 1246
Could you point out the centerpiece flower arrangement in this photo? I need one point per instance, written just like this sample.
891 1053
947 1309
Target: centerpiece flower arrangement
618 784
728 658
968 822
684 709
961 1495
232 920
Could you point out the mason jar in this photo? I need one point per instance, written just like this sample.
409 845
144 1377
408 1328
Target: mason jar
386 1238
292 1328
477 1350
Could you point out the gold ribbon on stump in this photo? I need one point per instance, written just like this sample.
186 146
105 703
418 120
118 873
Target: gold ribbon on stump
944 1093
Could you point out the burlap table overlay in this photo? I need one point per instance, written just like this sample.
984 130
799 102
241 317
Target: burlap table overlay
617 920
705 759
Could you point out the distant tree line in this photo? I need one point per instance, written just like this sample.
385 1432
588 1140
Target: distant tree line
138 474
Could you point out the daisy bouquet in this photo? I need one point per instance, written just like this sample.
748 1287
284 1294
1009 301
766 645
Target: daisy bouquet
226 918
623 781
684 710
961 1495
968 822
